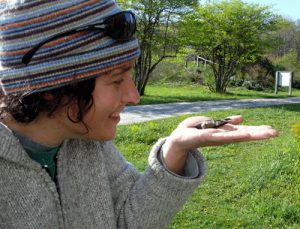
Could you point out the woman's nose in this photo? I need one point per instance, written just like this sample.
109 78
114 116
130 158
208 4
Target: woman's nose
130 93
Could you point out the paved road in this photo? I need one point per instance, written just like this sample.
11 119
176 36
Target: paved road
135 114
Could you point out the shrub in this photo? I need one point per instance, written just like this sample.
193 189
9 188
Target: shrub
253 86
209 79
165 70
258 87
261 71
296 84
235 82
168 72
248 84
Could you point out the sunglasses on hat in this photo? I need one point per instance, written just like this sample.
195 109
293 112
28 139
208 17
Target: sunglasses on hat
120 26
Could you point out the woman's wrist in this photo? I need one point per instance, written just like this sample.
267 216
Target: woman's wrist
173 157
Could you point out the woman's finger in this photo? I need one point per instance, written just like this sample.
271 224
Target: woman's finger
235 119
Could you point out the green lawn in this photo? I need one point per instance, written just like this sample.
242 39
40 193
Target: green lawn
249 185
155 94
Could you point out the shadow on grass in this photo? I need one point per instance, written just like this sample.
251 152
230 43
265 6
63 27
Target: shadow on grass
148 99
176 99
261 96
289 107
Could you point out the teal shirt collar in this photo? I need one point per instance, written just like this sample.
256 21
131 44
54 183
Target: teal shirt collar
44 155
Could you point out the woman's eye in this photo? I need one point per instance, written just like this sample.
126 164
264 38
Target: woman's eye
118 81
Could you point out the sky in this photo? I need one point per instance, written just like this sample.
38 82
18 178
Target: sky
288 8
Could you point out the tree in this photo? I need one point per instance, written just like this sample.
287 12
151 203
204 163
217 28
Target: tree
286 55
229 33
289 38
156 32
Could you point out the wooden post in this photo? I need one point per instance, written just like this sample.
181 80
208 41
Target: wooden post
291 84
276 82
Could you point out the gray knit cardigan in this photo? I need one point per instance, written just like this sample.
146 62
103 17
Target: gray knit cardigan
97 188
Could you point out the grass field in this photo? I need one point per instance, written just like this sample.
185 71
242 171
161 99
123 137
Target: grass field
249 185
155 94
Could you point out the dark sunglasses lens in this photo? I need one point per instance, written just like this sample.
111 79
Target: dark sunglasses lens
121 26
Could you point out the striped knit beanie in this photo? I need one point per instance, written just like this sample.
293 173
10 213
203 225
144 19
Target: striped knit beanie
62 61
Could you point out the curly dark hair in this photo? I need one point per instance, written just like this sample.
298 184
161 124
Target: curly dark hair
25 107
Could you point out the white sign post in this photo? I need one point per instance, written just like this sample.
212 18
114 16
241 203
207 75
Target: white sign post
284 79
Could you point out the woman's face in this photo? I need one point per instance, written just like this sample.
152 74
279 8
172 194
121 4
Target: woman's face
113 91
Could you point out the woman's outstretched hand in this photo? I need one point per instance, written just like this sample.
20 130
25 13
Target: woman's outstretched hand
187 137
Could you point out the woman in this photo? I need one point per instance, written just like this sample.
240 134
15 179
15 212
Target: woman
66 78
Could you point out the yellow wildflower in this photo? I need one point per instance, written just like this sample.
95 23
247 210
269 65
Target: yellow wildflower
296 128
